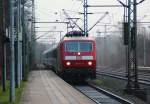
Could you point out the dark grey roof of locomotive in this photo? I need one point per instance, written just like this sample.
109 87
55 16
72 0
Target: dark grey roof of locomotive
74 33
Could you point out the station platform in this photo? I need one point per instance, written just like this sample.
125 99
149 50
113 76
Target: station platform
45 87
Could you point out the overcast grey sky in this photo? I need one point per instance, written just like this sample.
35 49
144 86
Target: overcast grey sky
51 10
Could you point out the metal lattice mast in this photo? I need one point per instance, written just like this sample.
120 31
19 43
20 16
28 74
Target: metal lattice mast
132 46
130 40
85 18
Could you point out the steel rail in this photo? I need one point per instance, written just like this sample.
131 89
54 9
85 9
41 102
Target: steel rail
114 96
101 91
141 81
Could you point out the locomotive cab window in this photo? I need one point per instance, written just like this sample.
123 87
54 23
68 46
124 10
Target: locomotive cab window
78 46
85 46
71 46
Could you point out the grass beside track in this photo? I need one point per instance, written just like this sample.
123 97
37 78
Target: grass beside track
4 96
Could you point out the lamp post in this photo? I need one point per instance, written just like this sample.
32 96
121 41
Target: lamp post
12 63
18 43
149 32
144 46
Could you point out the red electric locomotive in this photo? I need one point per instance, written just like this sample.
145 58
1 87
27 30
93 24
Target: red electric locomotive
76 57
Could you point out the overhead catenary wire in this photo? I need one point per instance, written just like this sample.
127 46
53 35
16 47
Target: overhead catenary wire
98 21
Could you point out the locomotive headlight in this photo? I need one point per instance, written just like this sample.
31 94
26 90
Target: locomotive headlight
79 53
68 63
90 63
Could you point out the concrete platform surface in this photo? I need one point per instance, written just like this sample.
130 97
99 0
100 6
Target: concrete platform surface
44 87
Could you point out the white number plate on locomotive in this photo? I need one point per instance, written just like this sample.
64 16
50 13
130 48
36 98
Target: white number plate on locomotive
79 57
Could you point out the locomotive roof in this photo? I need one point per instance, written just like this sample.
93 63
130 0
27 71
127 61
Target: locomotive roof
78 38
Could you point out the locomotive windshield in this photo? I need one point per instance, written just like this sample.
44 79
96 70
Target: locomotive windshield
78 46
71 46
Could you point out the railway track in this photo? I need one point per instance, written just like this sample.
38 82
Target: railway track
144 77
100 96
